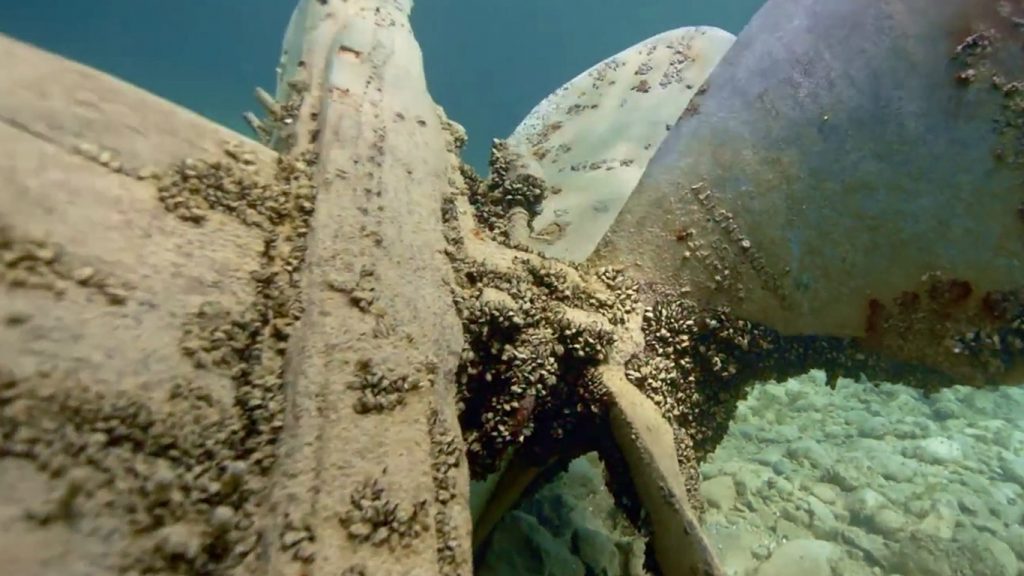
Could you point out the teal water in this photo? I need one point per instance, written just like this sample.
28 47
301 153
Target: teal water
487 62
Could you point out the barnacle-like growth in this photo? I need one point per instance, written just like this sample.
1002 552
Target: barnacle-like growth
535 331
509 199
374 518
542 382
528 371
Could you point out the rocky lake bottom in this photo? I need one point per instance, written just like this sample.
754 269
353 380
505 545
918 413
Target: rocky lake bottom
863 480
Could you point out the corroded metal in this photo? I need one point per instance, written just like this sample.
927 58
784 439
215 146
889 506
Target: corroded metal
851 169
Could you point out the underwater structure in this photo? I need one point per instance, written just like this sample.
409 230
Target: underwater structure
335 349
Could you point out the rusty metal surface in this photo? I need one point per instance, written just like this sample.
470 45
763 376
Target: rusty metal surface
843 155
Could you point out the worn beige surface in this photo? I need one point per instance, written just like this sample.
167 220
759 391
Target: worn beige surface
376 295
112 223
647 443
100 285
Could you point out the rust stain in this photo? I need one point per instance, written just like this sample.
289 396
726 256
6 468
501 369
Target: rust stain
875 318
1002 306
945 324
949 293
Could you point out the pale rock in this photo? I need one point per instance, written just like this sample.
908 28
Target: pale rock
548 557
724 467
822 520
902 494
874 427
750 482
810 452
1014 537
896 468
886 522
743 414
945 410
762 551
1002 557
788 530
779 488
598 551
736 546
863 501
972 504
980 402
760 517
813 378
855 417
920 555
769 455
746 431
871 546
783 467
847 566
795 515
851 472
827 493
1013 441
939 523
938 450
832 435
1009 515
911 428
1013 470
987 430
1005 502
809 405
719 492
770 395
972 553
803 557
785 433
